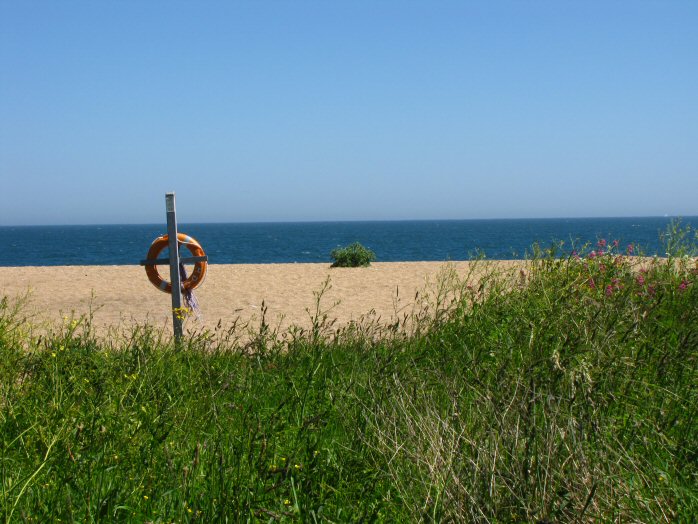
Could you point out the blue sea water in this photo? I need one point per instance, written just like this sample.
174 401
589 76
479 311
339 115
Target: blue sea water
313 241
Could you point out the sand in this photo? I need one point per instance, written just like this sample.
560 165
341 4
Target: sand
122 295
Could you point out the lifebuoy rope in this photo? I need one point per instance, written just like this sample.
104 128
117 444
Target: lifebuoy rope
190 301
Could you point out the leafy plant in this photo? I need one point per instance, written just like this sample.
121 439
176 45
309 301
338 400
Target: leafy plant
354 255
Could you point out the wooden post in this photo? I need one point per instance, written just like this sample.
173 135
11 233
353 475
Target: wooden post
174 266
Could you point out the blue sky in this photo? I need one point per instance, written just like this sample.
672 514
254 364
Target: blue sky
295 110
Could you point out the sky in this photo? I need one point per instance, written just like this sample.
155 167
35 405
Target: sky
346 110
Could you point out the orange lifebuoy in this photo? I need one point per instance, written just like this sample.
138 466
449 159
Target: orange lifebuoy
192 281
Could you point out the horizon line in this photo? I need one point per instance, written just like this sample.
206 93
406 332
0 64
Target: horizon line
340 221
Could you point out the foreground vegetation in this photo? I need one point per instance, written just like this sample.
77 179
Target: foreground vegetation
567 391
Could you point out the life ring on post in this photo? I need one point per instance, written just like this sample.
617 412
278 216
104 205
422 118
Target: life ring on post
192 281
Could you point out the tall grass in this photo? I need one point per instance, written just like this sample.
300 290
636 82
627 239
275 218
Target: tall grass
563 391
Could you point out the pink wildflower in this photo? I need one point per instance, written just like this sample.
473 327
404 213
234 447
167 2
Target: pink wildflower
609 290
592 255
629 250
683 285
615 243
592 284
651 290
601 243
640 280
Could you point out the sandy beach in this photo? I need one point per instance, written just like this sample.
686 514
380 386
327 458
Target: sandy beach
119 296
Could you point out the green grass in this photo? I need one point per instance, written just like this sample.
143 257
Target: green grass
567 392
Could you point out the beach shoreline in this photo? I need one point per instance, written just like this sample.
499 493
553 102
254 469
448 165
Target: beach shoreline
122 296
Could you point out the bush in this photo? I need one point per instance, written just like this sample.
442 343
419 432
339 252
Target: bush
354 255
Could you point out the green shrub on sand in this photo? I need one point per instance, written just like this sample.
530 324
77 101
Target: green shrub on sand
354 255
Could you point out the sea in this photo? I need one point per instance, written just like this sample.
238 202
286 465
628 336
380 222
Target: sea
299 242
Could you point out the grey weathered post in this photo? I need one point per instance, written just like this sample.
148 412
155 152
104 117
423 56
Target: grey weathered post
174 260
174 265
